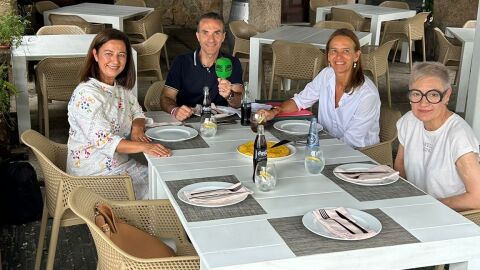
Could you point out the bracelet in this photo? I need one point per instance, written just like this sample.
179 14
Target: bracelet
173 111
232 94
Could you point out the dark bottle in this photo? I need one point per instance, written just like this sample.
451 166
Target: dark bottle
259 150
207 104
246 107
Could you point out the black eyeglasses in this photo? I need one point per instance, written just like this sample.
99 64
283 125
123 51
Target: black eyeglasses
433 96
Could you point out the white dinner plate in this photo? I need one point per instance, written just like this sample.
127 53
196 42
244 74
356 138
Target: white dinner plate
296 127
290 147
171 133
363 166
364 219
204 186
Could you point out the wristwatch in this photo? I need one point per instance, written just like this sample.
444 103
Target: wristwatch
232 94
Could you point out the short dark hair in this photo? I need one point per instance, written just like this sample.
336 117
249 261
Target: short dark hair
357 78
212 16
127 77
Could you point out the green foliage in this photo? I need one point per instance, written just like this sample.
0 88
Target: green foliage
6 90
12 28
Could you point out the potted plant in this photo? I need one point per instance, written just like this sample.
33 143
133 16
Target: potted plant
12 27
7 89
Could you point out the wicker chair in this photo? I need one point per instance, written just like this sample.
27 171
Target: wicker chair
296 61
382 152
334 25
52 158
152 98
156 217
395 4
132 3
408 30
314 4
470 24
148 56
89 28
60 30
448 54
42 6
346 15
242 32
56 80
375 60
140 30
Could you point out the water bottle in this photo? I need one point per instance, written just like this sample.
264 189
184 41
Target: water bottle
246 107
207 103
312 139
259 150
314 159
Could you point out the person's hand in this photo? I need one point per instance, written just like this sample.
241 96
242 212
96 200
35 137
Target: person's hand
224 88
269 115
138 135
156 149
183 113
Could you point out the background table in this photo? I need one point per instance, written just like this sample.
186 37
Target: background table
250 242
466 36
99 13
316 36
36 48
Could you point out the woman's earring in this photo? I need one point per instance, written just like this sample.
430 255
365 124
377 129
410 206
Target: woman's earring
354 64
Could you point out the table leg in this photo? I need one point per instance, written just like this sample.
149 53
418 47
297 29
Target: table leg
135 87
375 27
20 78
464 78
470 265
320 15
255 66
404 56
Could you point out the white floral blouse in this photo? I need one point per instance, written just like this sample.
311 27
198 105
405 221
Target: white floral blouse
100 115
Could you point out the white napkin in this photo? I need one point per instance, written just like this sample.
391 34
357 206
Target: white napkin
259 106
149 123
226 109
216 197
374 174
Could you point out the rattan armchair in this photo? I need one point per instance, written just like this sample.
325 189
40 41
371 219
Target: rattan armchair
56 78
242 32
408 30
89 28
148 56
334 25
314 4
58 184
448 54
375 61
295 61
60 30
346 15
470 24
140 30
155 217
152 98
42 6
382 152
132 3
395 4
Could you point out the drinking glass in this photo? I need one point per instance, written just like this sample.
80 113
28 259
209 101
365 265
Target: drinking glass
208 126
265 177
255 120
314 160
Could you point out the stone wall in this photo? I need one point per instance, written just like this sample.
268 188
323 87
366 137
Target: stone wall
7 6
265 14
453 13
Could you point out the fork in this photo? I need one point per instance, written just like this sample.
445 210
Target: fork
235 188
325 215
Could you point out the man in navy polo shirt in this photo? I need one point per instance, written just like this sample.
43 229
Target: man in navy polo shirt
191 72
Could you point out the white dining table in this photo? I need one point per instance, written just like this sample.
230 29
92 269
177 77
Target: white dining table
466 36
251 241
36 48
377 15
315 36
99 13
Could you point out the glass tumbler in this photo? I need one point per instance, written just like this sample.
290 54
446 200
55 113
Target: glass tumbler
265 177
208 127
314 160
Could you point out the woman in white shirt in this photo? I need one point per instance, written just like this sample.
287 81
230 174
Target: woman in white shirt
438 150
103 113
349 103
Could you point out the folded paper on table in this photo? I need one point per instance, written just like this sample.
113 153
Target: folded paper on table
226 109
331 224
149 123
302 112
217 196
371 175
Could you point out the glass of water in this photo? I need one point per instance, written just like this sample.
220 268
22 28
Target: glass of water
314 160
265 177
208 127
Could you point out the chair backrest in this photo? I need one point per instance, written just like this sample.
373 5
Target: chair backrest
395 4
42 6
58 77
153 22
446 50
60 30
334 25
349 16
242 33
314 4
89 28
148 52
377 61
388 122
152 98
470 24
416 23
132 3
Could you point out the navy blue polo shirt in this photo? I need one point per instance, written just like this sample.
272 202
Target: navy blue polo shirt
188 76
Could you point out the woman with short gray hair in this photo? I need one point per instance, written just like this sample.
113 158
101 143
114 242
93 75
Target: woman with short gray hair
438 150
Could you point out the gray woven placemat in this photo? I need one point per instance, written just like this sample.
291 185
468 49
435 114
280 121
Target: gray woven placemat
196 119
248 207
303 242
399 189
285 136
193 143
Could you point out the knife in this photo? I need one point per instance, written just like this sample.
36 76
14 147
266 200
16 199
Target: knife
353 172
351 222
282 142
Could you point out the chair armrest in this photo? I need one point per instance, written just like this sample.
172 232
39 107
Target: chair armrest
392 27
113 187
